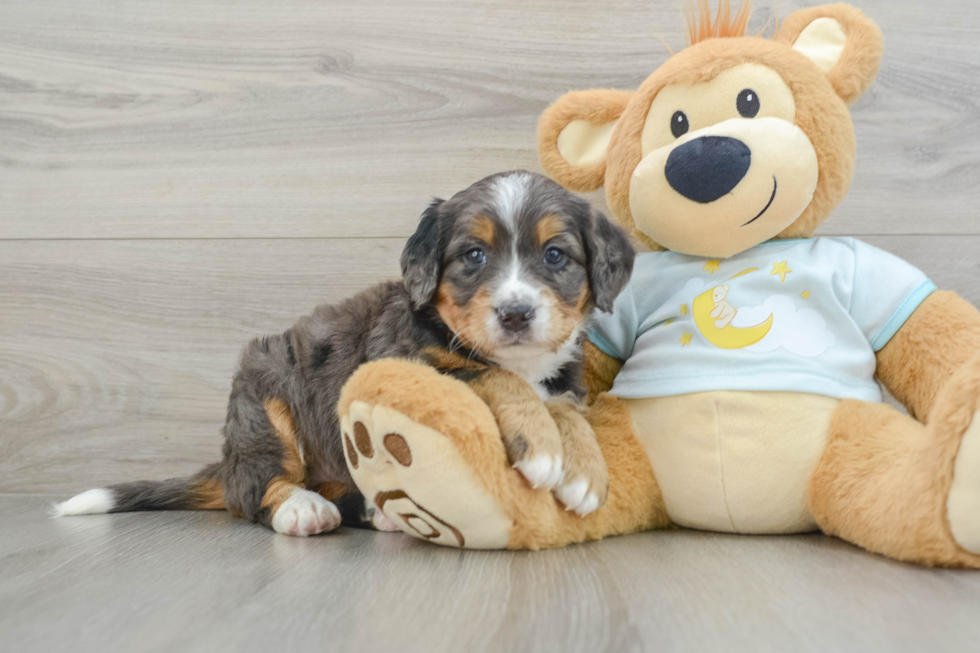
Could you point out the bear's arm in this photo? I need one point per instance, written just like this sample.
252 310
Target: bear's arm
940 336
598 370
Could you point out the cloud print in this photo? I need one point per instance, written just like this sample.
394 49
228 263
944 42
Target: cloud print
803 332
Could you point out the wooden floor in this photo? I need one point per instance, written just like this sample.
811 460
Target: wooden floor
168 582
181 175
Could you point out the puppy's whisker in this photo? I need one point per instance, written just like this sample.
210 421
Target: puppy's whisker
457 340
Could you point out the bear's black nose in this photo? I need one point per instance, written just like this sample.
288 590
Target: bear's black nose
708 167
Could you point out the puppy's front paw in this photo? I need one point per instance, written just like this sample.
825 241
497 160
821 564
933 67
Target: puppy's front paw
533 445
582 494
305 513
585 486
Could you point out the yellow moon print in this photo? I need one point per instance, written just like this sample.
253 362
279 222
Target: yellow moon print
730 337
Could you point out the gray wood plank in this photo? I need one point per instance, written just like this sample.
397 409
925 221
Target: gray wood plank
206 582
116 357
240 118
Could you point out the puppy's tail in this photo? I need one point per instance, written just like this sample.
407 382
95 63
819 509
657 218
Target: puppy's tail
203 491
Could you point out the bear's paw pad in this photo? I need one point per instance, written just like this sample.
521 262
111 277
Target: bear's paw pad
416 478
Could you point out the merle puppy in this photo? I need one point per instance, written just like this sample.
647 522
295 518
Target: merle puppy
498 283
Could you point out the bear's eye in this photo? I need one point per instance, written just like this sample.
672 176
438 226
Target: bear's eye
678 124
747 103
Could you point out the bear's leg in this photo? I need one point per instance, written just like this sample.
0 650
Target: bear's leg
910 491
427 452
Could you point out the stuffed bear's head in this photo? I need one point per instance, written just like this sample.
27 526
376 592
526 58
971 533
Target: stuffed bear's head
732 141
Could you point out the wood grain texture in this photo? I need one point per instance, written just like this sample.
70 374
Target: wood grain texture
179 176
116 357
162 582
241 118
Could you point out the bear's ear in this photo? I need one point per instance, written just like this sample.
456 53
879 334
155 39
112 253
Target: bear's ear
574 133
844 44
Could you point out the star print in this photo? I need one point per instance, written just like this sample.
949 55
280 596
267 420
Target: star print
781 269
805 294
670 321
683 309
685 339
712 266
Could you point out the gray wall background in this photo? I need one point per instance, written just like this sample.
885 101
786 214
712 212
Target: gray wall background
177 177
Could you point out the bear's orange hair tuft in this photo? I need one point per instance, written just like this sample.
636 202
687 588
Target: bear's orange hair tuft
700 25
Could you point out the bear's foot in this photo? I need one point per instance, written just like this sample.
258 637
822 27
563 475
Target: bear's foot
902 488
959 413
416 476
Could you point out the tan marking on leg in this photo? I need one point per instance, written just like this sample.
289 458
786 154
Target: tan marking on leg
398 448
483 228
208 495
548 227
281 418
333 490
294 471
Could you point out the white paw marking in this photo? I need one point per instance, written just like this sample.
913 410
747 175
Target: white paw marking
541 471
590 504
576 496
305 513
90 502
382 523
572 494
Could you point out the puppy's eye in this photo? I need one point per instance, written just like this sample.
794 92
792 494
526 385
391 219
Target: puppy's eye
475 256
747 103
554 256
678 124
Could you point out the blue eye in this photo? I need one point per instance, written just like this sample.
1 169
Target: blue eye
554 256
475 256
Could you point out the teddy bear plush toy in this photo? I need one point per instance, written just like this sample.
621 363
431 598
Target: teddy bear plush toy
741 360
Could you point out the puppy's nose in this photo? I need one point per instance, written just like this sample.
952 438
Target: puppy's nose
708 167
515 317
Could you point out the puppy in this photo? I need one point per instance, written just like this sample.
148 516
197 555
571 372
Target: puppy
498 283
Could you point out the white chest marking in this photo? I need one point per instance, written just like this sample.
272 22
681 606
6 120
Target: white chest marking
536 366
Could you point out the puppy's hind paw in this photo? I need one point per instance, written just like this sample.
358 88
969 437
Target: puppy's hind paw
305 513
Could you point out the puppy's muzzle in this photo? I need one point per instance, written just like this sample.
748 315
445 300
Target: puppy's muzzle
515 317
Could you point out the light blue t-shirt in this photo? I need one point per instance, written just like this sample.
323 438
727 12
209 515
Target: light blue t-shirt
804 315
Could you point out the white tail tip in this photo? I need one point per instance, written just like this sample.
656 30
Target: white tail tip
90 502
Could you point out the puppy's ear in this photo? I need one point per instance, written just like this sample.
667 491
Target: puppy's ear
610 259
422 256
